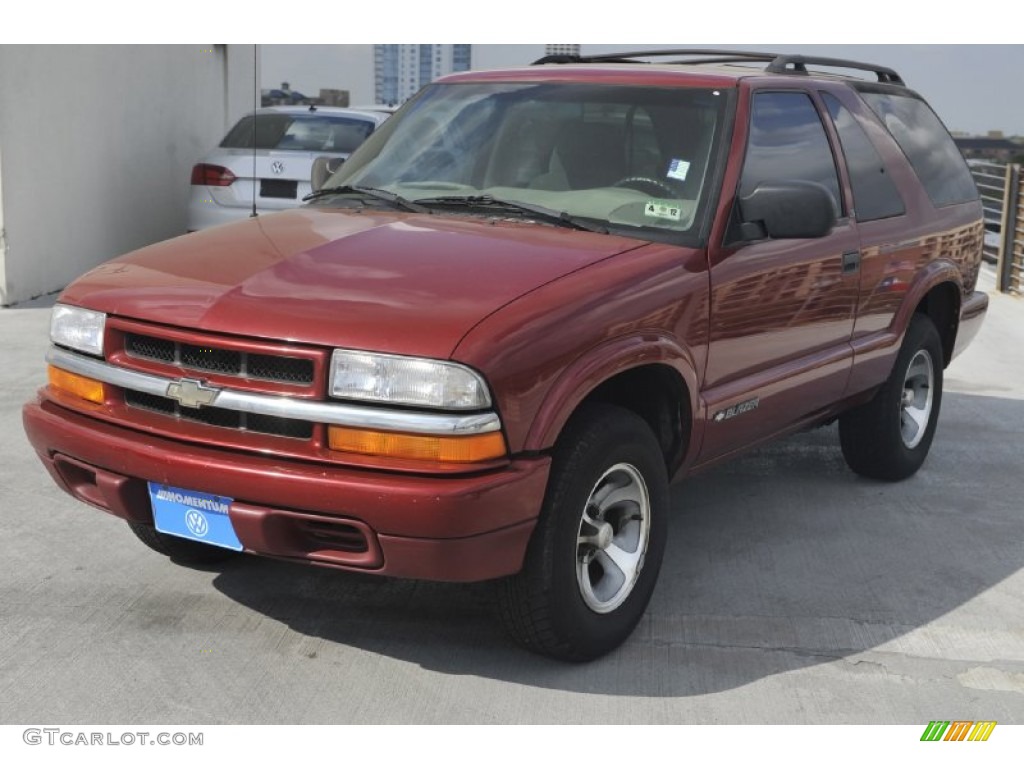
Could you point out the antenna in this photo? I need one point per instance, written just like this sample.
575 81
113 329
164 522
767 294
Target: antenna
255 114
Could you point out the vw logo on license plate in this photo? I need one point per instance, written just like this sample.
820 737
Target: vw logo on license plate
277 167
195 521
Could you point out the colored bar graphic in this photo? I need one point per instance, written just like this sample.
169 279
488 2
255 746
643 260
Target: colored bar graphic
958 730
935 730
982 730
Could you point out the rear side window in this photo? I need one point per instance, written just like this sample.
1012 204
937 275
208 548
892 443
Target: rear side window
874 194
788 142
927 145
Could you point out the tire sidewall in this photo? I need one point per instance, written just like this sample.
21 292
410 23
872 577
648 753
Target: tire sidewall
921 334
589 632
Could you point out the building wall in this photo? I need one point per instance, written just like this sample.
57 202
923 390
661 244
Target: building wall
97 143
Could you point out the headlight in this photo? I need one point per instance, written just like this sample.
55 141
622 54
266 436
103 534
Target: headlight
77 328
406 381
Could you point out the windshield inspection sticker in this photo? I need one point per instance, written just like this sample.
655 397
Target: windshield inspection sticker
662 209
678 169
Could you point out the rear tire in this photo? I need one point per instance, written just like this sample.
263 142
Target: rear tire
888 437
179 549
594 557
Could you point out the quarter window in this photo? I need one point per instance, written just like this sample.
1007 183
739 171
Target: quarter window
874 194
788 142
927 145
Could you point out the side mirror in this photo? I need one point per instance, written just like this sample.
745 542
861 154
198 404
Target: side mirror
323 169
785 209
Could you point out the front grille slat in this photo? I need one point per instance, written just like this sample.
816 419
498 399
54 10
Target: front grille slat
292 370
149 348
210 359
221 417
227 362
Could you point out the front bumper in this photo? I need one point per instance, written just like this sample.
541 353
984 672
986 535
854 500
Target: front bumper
441 528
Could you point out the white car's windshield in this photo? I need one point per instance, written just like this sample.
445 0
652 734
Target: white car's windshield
634 159
313 132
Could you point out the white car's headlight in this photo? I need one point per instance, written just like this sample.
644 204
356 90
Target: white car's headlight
77 328
406 381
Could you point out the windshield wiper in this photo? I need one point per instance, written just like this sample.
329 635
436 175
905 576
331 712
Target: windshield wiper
378 194
561 218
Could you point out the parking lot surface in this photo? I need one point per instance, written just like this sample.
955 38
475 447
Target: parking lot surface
792 592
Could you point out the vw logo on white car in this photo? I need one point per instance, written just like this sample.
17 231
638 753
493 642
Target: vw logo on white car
196 522
277 167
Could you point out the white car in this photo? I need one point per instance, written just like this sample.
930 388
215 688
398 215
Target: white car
275 175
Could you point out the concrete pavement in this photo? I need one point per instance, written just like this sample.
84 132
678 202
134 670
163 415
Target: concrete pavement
792 592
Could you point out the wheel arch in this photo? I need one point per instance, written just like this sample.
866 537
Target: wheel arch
652 377
937 294
941 304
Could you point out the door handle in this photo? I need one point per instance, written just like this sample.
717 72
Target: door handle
851 262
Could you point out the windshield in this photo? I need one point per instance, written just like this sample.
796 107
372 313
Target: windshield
306 133
634 159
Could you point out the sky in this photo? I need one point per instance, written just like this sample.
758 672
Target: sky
968 66
973 88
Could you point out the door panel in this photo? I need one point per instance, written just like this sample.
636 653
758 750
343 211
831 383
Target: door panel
782 311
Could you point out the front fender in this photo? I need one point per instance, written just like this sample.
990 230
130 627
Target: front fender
600 364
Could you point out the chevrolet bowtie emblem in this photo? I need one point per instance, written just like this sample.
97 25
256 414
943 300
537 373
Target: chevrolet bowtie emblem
191 393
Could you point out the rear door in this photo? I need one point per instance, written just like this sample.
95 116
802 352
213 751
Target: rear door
782 311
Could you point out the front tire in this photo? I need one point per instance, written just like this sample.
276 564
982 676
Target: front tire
888 438
594 557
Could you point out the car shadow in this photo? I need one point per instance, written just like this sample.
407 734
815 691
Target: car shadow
776 561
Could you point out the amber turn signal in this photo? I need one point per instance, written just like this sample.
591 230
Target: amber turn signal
80 386
398 445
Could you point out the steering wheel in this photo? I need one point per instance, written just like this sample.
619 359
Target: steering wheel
646 184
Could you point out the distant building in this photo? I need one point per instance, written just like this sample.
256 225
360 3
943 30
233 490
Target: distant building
561 50
998 150
401 70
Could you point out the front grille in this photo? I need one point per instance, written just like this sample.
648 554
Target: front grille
209 359
152 349
227 362
221 417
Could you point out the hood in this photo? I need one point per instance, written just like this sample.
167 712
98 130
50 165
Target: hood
364 279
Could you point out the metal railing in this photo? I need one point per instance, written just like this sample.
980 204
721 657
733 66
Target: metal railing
990 178
1011 245
1003 202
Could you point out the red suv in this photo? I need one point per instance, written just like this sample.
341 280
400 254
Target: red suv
531 299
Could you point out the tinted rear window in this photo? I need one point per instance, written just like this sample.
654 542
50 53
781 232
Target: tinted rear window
312 133
874 194
927 145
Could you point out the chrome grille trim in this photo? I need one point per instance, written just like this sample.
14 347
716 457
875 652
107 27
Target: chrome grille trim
362 417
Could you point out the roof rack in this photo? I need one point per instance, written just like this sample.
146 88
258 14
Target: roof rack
778 63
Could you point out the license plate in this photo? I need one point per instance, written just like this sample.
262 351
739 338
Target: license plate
193 515
280 188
